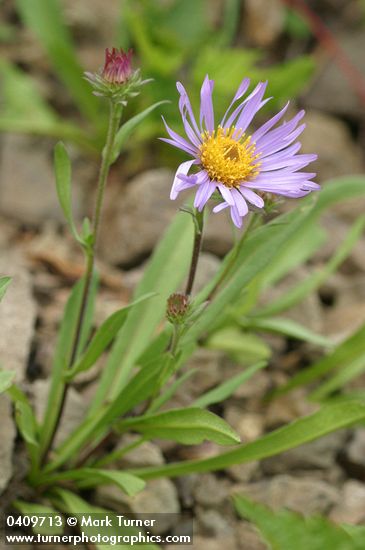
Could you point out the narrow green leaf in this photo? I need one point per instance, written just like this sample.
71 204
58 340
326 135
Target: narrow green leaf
343 375
225 390
127 128
4 283
285 530
26 423
6 379
328 419
188 426
299 292
288 327
103 337
92 477
62 165
350 350
234 341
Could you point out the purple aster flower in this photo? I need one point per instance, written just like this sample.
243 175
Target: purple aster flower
236 163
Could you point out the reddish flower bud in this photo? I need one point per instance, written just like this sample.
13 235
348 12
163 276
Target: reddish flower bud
178 307
118 66
116 80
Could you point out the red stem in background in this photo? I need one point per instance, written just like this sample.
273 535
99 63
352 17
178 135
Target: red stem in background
329 42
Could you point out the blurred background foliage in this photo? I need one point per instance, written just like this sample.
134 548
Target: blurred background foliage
178 39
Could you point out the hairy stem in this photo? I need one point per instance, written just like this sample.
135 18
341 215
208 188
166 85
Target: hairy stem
198 224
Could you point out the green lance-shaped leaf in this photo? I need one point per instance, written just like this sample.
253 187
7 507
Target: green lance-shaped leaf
6 379
62 165
103 337
329 419
92 477
288 327
349 351
127 128
26 422
187 426
4 283
285 530
244 346
299 292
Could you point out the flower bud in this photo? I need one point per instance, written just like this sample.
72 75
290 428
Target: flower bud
178 308
118 66
117 80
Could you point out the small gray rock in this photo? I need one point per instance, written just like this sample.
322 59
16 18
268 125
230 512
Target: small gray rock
355 451
27 184
306 496
351 506
137 216
320 454
17 316
338 153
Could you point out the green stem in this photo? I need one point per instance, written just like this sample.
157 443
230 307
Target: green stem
114 121
198 235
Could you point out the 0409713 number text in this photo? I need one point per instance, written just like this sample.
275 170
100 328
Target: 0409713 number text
49 520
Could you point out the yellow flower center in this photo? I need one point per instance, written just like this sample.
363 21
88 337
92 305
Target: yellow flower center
227 160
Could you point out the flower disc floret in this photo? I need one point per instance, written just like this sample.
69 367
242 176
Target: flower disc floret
228 160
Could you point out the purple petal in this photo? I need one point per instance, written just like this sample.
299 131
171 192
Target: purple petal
280 132
226 193
182 169
297 162
178 145
236 218
237 111
288 152
260 132
280 143
184 96
206 105
242 89
250 110
240 202
220 207
186 112
185 145
203 194
252 197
